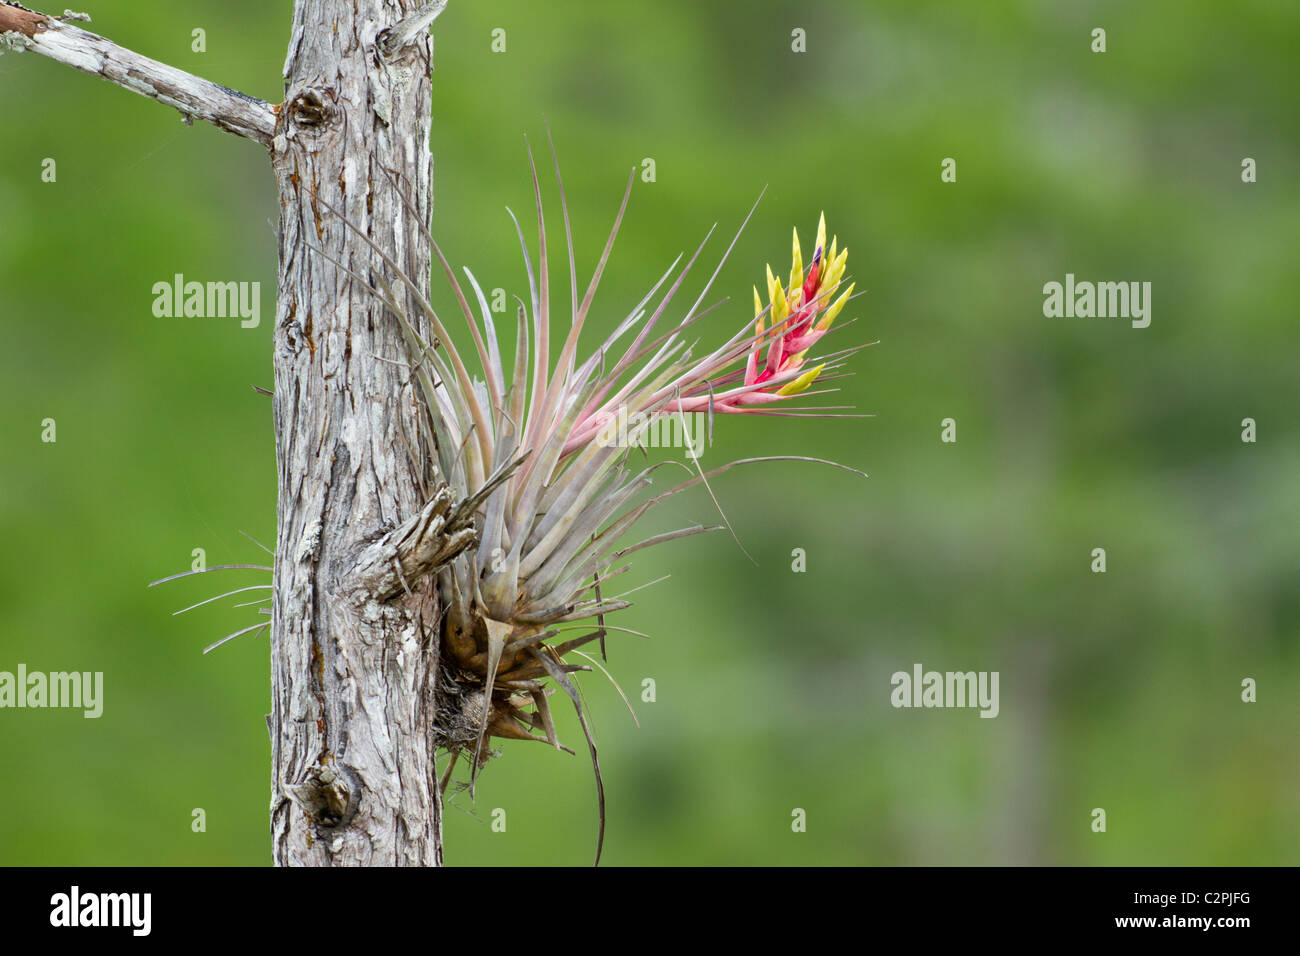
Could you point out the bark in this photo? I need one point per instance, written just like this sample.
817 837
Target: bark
352 674
354 647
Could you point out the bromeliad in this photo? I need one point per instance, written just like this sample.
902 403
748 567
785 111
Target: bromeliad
543 506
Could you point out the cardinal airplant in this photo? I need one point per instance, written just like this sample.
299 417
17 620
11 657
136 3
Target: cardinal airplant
536 506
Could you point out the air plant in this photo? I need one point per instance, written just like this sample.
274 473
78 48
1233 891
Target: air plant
519 448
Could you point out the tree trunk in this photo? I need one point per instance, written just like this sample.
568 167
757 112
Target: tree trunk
354 781
362 523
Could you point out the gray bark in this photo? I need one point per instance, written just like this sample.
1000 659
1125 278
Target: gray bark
354 647
353 674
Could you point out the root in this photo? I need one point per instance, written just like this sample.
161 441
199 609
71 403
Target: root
461 706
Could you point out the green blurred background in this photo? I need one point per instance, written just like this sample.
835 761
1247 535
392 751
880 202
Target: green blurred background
1118 690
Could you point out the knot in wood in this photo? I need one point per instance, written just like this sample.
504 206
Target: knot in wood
326 796
312 109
